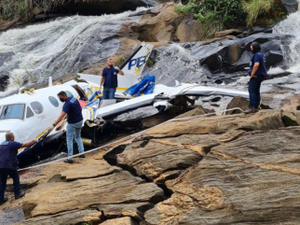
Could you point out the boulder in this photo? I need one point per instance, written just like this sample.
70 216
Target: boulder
189 30
290 5
292 103
225 33
163 24
264 120
112 191
67 218
120 221
159 25
237 102
245 181
234 55
4 81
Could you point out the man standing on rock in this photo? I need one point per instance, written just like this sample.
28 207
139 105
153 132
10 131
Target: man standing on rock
110 80
73 110
9 165
258 73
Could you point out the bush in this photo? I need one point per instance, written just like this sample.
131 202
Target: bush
22 9
255 8
216 15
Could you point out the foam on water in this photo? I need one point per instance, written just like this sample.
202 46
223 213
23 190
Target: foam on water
59 47
291 26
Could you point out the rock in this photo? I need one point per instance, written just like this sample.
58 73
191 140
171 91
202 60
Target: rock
148 159
264 120
120 221
5 25
163 24
160 27
292 103
291 118
189 30
4 81
245 181
66 218
89 171
227 32
194 112
290 5
37 10
233 55
134 210
237 102
109 189
273 58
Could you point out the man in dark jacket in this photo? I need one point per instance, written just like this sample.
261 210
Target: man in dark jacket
73 110
258 73
9 165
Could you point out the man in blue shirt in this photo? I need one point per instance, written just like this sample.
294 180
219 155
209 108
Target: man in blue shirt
258 73
110 80
9 165
73 110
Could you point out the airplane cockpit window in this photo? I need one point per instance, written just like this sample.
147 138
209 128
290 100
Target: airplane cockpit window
29 113
53 101
69 94
37 107
15 111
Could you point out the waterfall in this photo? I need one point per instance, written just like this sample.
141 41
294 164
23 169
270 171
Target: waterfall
175 62
291 26
58 48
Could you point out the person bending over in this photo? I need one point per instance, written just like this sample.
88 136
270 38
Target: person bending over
9 165
73 110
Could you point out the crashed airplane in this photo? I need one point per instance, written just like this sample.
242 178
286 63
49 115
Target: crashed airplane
29 113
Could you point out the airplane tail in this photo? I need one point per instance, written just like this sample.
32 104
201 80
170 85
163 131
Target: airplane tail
134 66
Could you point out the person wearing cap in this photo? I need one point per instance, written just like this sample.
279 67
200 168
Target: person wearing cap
258 73
109 80
9 165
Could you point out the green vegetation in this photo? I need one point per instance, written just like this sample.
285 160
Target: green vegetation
150 63
216 15
22 9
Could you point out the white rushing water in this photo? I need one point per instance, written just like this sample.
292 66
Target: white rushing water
59 47
291 26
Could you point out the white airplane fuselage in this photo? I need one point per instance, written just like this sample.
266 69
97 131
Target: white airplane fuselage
28 115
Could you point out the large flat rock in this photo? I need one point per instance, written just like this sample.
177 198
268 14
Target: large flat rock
91 191
252 180
165 158
263 120
66 218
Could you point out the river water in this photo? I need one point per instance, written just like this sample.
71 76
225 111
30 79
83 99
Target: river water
66 45
59 47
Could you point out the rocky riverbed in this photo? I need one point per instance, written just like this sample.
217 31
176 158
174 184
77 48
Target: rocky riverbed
230 169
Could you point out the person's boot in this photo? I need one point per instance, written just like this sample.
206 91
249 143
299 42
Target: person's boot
69 161
21 195
251 110
82 156
3 201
